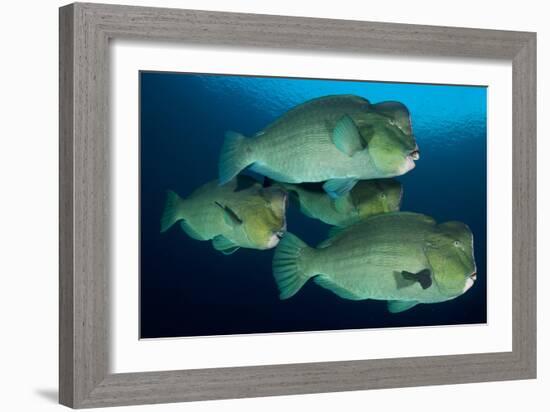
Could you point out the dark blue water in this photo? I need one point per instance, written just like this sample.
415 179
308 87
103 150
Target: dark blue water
189 289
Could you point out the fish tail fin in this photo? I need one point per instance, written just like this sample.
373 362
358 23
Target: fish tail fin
234 156
288 263
173 211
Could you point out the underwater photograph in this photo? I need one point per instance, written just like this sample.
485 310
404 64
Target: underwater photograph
278 205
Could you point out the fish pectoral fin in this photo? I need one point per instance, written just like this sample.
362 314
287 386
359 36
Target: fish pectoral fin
424 277
338 290
192 233
346 136
336 188
224 245
230 217
397 306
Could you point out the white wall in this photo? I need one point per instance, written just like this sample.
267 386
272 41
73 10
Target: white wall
28 209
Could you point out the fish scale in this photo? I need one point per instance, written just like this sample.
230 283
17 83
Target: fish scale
239 214
386 257
321 140
363 201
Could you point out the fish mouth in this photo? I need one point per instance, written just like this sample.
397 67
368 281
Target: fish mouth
409 161
273 241
276 238
415 154
470 281
468 285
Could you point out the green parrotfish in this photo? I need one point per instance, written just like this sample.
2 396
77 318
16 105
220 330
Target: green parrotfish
239 214
401 257
338 140
367 198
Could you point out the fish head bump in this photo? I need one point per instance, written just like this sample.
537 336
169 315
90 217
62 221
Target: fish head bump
450 252
390 139
265 223
372 197
392 191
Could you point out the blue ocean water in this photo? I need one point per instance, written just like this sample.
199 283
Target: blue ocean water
189 289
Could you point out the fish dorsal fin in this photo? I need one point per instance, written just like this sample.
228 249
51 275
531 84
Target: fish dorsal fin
346 136
397 306
224 245
339 187
424 277
327 283
230 217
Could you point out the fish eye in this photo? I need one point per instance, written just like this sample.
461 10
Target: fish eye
382 195
456 243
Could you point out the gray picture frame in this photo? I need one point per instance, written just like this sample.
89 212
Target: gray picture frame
85 31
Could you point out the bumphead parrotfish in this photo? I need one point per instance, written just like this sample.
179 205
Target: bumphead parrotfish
367 198
239 214
404 258
336 139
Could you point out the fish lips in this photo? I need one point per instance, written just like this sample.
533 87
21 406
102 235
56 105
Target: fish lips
273 241
410 160
470 281
408 165
415 154
277 236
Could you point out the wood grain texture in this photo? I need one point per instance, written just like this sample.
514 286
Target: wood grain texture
66 229
85 31
83 220
524 226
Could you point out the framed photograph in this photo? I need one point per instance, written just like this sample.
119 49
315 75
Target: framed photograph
256 205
